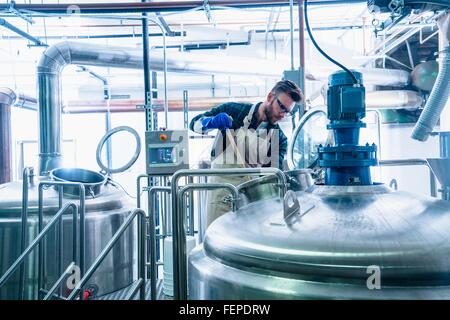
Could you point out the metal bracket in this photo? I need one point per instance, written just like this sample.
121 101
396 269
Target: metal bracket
396 6
291 207
208 12
16 12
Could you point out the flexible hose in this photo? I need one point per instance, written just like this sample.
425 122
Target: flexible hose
308 29
436 102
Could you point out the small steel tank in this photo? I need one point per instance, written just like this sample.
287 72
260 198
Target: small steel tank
330 250
106 210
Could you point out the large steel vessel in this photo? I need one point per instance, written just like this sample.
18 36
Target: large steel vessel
105 212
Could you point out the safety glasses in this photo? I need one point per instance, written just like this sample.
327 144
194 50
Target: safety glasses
283 108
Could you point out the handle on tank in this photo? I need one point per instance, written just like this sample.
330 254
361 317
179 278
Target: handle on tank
291 206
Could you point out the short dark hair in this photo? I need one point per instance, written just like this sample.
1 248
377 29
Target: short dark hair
290 88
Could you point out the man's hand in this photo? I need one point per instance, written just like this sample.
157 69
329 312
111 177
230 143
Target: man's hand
221 121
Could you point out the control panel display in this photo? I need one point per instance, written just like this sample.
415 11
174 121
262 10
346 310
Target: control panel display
162 155
167 151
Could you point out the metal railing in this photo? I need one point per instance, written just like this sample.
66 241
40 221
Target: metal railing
153 263
82 210
178 225
37 242
205 186
140 283
413 162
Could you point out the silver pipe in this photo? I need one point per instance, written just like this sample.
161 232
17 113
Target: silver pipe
58 56
166 103
441 90
436 102
413 162
393 99
291 30
9 98
27 172
179 232
49 70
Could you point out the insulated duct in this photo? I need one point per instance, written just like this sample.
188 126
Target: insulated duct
373 76
393 99
441 90
56 57
9 98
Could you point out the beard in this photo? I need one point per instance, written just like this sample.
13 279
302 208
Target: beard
269 117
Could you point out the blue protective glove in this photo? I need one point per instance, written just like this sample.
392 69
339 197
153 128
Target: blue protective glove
221 121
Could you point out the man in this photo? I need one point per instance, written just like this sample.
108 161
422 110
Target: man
254 137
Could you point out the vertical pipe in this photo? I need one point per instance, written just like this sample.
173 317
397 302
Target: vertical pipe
154 82
191 209
40 249
301 43
82 235
147 76
60 236
141 248
108 142
5 143
152 246
291 30
166 97
186 109
24 225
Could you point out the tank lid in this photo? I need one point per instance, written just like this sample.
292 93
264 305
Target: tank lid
341 235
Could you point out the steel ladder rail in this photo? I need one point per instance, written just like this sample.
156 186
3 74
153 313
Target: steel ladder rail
37 241
140 284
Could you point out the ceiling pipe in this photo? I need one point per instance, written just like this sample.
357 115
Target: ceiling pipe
58 56
160 6
395 99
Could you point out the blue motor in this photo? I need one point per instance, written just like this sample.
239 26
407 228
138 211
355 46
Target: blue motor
347 163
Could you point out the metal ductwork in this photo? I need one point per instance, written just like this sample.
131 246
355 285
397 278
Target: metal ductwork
49 70
56 57
373 76
441 90
393 99
9 98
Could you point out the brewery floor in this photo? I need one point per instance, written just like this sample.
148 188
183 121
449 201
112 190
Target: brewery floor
120 295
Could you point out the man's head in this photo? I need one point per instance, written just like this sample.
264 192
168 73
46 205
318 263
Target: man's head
281 100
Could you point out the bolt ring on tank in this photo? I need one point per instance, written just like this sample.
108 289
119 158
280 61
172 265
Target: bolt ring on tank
133 159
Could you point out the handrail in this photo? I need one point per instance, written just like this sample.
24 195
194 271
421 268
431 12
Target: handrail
179 232
26 174
39 238
181 207
82 210
152 227
206 186
110 245
412 162
58 282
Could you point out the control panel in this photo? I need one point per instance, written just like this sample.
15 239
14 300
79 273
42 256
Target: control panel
167 151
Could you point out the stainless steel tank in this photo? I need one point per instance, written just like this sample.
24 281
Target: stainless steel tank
105 212
343 236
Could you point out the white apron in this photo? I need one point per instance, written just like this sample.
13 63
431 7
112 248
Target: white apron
247 146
